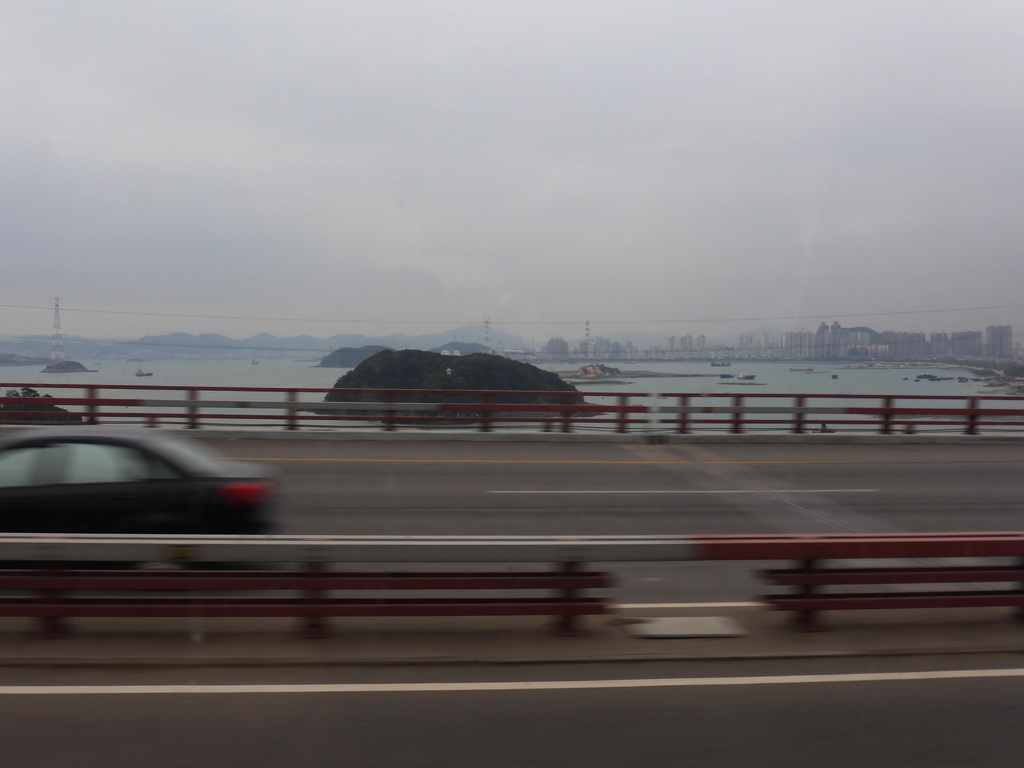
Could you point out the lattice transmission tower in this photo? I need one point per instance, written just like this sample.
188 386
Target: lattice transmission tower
57 354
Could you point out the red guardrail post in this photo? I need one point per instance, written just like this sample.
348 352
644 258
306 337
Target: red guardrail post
389 415
806 620
314 627
623 425
92 393
799 421
193 409
972 417
567 412
566 623
684 417
887 415
737 417
1019 616
485 415
51 625
291 417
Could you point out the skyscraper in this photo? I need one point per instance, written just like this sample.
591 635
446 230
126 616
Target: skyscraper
999 341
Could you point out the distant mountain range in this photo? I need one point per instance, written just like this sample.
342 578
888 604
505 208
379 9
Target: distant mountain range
209 345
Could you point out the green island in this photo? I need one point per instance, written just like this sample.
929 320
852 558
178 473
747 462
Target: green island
415 369
32 413
350 357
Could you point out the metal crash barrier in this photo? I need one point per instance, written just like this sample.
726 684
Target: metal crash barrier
62 577
820 581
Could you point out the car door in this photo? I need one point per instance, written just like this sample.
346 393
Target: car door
28 504
105 487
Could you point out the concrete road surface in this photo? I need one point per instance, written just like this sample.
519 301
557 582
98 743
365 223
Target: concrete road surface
955 711
580 489
870 712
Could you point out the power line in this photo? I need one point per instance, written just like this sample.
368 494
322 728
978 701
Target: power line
192 315
534 285
457 322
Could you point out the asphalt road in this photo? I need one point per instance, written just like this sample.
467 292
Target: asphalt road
954 711
580 489
485 488
898 713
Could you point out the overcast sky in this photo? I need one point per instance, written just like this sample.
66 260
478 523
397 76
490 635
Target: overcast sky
375 167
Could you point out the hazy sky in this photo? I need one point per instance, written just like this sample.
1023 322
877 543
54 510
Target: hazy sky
375 167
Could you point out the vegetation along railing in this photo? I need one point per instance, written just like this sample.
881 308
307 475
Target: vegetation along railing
486 411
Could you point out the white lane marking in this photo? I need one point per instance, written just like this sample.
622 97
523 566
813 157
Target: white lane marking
543 685
759 491
636 606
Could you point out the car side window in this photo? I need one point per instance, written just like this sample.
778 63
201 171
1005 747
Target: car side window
19 466
100 463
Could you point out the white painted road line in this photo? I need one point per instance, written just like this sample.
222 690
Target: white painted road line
546 685
656 606
761 491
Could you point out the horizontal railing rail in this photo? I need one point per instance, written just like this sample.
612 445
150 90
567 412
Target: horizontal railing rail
487 410
340 549
182 548
851 546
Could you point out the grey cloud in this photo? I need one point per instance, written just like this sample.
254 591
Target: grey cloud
534 162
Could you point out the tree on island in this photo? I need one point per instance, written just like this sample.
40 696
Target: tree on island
33 412
349 357
463 348
415 369
67 366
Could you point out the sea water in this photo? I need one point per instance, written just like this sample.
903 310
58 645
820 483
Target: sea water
694 377
691 378
825 385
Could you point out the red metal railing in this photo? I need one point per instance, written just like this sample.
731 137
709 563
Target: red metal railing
485 411
892 567
851 546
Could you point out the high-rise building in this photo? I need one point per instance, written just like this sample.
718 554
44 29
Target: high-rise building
939 345
557 346
999 341
966 344
903 345
798 344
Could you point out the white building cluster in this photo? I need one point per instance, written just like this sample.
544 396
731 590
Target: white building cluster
829 342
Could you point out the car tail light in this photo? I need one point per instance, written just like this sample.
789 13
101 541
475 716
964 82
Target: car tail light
245 493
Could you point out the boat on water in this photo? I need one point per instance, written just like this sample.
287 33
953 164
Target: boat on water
747 376
804 370
141 372
726 376
721 365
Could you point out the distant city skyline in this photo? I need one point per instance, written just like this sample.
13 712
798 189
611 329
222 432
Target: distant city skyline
827 342
42 320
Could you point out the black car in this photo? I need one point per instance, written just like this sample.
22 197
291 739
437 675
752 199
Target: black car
115 480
